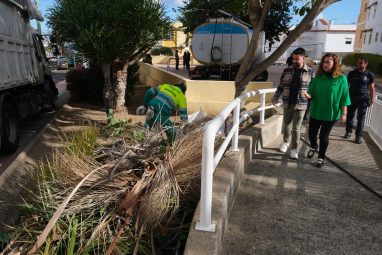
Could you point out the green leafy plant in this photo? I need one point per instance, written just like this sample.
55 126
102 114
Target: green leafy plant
82 142
162 51
117 127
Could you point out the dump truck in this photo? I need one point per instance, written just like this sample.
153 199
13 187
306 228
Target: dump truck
219 45
26 84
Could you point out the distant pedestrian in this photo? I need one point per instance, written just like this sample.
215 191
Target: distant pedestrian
293 83
329 95
177 60
362 93
186 59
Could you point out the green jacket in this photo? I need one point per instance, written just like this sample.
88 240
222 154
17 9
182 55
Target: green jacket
167 98
328 96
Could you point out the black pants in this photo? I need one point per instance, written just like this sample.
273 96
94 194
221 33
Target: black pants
359 105
325 127
177 64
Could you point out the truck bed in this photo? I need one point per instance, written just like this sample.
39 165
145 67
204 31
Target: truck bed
16 49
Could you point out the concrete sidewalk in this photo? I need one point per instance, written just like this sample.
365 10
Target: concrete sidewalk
291 207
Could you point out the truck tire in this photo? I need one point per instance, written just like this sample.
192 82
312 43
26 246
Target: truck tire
49 99
9 138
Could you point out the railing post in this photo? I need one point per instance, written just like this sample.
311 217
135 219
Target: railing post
236 120
262 111
205 222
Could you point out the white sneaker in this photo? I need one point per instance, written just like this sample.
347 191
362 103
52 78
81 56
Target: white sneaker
284 147
293 154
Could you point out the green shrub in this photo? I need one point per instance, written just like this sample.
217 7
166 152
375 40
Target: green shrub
162 51
375 61
85 85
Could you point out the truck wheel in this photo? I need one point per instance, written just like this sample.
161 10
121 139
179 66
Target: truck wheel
10 132
49 100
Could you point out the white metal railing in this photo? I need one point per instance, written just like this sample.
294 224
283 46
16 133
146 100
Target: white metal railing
210 160
374 116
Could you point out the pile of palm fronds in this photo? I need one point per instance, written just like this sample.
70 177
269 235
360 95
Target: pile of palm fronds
112 196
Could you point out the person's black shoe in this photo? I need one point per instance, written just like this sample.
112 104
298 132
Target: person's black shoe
320 162
347 135
311 152
358 140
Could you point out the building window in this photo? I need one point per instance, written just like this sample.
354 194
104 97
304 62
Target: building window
370 37
364 39
381 38
376 37
348 40
368 14
375 10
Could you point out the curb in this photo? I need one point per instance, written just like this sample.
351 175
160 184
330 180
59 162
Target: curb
20 159
227 178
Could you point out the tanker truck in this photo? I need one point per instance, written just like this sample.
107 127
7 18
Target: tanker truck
26 84
219 45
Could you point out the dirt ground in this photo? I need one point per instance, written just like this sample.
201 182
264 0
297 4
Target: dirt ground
67 119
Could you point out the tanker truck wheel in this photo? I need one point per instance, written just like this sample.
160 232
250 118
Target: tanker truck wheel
9 139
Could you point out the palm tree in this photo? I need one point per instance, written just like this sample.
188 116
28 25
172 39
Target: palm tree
112 34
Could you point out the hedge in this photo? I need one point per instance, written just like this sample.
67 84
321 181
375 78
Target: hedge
375 61
85 85
162 51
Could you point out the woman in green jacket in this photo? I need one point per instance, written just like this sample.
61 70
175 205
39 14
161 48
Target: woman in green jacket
329 95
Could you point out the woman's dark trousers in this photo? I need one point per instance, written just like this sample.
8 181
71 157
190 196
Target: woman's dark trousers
325 127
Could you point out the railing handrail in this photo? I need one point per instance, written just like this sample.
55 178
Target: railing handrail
210 160
378 100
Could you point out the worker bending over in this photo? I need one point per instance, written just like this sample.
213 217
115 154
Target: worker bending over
160 102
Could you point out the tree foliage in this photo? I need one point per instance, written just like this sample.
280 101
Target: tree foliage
196 12
112 34
108 30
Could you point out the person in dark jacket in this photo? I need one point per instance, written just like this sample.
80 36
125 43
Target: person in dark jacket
177 60
362 94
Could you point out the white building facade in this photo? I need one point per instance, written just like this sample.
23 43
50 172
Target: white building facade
322 38
372 33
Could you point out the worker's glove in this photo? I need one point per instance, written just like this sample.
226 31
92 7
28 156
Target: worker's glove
141 110
150 113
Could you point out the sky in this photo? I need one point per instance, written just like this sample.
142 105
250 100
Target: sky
343 12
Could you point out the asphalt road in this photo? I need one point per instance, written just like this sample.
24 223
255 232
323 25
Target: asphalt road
30 127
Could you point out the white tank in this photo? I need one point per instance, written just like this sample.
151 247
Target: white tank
222 41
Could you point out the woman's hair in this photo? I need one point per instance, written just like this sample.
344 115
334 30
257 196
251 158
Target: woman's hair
336 65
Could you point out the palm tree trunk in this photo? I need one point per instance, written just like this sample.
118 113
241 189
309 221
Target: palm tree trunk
121 89
108 92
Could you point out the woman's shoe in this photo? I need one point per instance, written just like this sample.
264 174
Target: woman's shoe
311 152
320 162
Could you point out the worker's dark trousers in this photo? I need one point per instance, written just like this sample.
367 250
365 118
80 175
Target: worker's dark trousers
360 106
325 127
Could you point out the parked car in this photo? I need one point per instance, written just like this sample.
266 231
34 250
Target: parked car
62 63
